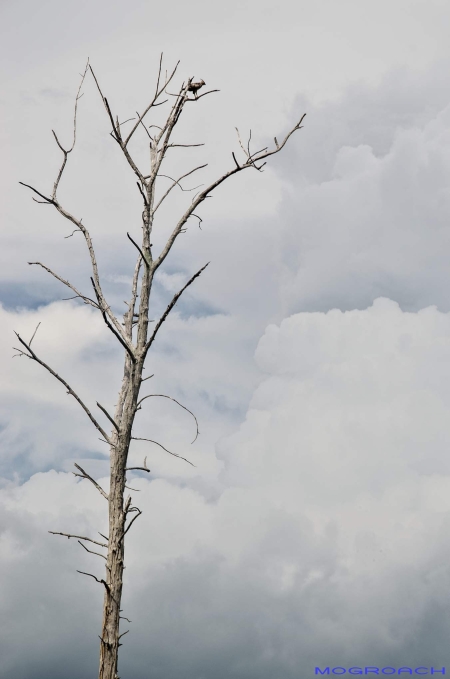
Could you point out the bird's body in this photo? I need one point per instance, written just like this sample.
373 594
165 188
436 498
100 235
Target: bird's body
194 87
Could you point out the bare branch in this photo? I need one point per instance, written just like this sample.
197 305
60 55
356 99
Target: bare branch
97 287
91 552
139 249
138 438
122 339
101 582
123 633
204 194
68 387
199 220
144 468
123 618
178 403
128 316
67 151
170 307
147 378
32 338
237 164
50 201
159 72
109 417
79 537
176 182
131 523
71 234
87 300
144 197
203 95
185 146
85 475
152 103
116 134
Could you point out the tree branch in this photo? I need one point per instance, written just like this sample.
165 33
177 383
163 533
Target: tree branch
178 403
123 340
170 307
204 194
177 182
109 417
144 468
152 103
101 582
85 475
80 537
137 438
66 152
68 387
131 522
91 552
87 300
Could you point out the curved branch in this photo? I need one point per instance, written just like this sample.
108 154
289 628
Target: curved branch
178 403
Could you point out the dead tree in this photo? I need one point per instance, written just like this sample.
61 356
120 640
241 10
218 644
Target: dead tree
134 333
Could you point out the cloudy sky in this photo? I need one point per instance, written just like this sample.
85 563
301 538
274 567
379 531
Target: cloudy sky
314 529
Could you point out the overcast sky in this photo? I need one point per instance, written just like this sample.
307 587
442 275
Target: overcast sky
314 350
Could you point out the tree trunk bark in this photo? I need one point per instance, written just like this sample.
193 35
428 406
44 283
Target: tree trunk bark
109 640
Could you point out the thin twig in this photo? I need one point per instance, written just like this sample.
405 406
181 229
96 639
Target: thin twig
176 182
79 537
138 438
87 300
91 552
32 338
131 523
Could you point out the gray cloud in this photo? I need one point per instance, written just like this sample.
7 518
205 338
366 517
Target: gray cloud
314 529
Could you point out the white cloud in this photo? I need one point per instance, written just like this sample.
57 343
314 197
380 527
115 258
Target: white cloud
329 540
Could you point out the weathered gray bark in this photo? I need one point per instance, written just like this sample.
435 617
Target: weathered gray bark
133 333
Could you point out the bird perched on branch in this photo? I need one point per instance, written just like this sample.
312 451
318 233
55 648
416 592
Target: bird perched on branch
194 87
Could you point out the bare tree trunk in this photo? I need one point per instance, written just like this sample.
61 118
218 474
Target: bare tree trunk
133 333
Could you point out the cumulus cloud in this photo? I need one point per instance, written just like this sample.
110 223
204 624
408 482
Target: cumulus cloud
365 210
318 531
328 542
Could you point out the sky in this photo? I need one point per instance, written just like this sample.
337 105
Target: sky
314 529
